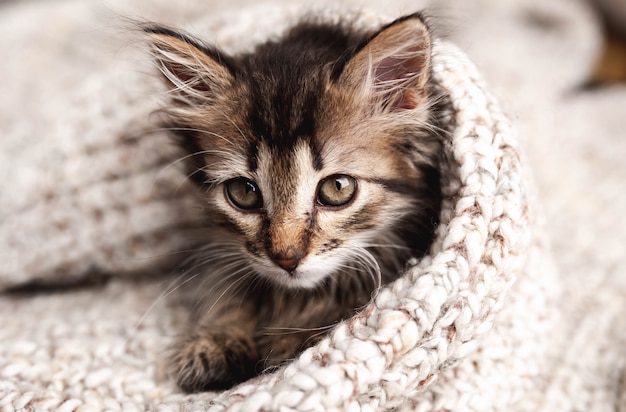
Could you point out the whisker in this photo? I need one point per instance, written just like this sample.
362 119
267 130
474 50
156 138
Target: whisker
207 292
172 288
160 255
237 127
227 289
368 264
389 246
278 330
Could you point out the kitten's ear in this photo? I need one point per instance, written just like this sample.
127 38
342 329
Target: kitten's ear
195 70
393 67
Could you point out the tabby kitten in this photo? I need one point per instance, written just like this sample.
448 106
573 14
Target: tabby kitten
318 158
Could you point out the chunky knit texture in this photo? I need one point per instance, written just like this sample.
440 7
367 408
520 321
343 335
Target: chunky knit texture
484 322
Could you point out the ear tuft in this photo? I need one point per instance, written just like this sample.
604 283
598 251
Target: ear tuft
194 70
393 67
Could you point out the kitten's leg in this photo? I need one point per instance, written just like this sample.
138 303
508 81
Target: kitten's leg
217 353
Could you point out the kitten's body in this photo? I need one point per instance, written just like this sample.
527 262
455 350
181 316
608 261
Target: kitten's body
318 154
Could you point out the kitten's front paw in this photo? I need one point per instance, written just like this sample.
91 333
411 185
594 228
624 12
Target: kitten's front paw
213 360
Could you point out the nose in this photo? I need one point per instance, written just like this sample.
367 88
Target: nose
289 264
288 259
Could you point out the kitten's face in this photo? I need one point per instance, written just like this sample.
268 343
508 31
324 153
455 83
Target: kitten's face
302 212
305 167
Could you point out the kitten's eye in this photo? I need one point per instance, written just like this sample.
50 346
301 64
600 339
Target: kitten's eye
244 193
336 190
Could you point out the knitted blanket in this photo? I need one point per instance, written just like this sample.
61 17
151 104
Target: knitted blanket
484 322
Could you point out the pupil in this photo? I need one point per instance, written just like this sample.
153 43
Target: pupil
340 183
249 188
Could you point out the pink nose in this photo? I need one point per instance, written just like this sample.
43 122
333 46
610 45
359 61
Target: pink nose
288 264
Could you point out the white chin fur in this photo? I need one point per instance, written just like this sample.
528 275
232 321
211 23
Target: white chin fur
305 276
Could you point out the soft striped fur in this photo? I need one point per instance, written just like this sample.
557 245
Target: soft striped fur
324 101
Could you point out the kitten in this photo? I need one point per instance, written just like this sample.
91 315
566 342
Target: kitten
318 156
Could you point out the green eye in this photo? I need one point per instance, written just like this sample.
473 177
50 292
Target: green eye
336 190
244 194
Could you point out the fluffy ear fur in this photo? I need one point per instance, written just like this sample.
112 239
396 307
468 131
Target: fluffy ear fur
393 67
197 72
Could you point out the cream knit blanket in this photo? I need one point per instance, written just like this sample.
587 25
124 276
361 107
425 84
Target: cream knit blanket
482 323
